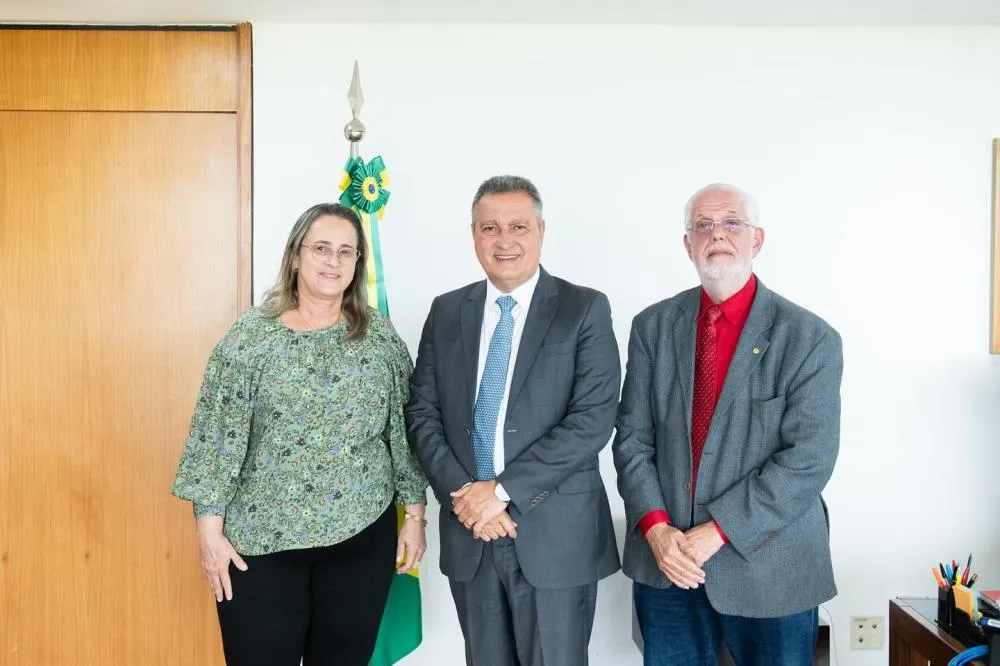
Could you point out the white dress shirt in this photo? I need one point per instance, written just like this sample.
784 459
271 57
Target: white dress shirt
491 317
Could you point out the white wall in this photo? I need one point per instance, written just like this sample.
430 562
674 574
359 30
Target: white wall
869 151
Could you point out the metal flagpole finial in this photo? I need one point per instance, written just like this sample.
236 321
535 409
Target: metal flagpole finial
354 130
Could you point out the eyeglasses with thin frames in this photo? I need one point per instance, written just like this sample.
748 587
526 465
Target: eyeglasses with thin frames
730 225
323 252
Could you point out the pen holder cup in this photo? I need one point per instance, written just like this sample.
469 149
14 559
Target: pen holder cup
965 630
946 607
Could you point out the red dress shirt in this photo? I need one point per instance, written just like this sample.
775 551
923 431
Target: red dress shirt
735 311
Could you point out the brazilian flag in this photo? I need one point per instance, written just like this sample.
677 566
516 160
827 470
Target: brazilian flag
364 189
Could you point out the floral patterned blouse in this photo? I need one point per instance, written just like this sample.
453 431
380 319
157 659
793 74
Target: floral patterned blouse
298 437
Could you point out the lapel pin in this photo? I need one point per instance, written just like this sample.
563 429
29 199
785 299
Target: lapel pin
756 350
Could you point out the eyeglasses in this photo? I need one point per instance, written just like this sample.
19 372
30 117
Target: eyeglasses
325 253
730 225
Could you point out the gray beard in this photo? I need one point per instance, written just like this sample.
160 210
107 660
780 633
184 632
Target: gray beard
723 280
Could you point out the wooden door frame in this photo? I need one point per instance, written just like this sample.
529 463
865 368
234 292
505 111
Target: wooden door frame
229 51
244 133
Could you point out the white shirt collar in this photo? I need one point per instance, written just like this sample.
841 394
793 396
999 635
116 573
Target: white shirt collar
522 294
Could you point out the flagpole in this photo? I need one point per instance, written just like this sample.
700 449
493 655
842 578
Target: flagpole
364 189
354 130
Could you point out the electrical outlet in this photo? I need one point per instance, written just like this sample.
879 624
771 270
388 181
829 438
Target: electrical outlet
868 633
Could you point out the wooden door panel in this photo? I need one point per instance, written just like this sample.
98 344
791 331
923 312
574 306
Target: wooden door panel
119 70
118 233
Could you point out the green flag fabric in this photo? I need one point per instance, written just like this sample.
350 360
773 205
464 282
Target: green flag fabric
364 189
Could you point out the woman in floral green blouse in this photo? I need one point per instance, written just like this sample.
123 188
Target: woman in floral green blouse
297 456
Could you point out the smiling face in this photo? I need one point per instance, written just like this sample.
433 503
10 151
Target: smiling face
327 259
508 237
721 254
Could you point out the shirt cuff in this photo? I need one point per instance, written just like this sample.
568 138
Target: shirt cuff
501 493
206 510
722 534
653 518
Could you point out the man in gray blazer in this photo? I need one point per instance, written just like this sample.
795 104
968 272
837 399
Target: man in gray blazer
727 432
513 396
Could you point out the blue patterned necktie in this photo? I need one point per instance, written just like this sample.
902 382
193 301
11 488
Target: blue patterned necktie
491 390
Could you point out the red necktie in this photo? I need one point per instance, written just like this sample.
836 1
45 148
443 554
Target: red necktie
703 401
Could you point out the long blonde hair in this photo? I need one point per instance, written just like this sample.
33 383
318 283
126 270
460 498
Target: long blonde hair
284 295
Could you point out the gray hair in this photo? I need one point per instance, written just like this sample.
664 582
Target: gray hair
508 185
749 204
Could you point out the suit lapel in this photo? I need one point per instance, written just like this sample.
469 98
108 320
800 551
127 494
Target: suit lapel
544 303
472 324
685 335
750 349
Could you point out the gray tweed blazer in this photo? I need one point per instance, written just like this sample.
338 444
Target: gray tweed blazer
770 450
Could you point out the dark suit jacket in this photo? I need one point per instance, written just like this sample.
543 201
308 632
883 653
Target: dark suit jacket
770 450
560 414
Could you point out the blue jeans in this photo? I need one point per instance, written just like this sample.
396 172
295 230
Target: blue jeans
680 628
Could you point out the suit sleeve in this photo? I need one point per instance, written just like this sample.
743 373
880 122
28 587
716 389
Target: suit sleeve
424 423
590 415
776 494
634 448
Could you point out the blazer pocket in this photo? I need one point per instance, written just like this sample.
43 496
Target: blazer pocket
586 481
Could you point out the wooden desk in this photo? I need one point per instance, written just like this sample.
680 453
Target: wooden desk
915 639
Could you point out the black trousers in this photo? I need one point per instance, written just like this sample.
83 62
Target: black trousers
320 606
